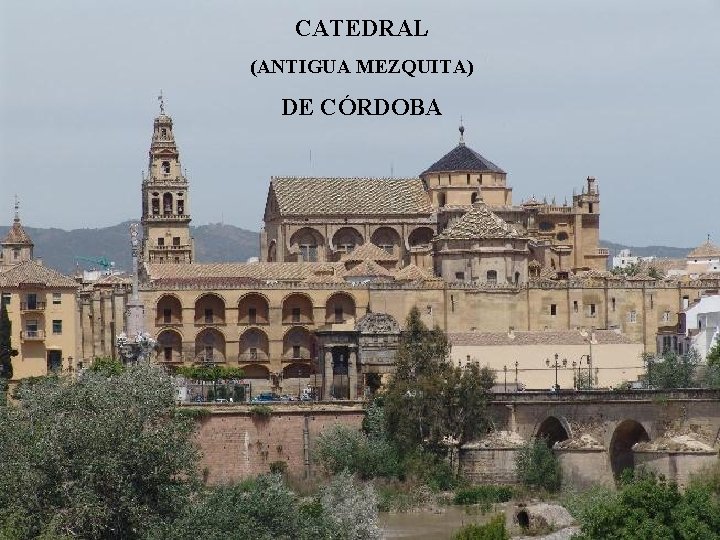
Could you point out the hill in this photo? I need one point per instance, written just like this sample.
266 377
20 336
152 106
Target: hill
663 252
58 248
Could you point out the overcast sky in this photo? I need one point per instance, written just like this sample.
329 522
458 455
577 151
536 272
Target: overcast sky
624 91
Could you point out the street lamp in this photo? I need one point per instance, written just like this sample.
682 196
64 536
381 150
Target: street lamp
557 365
516 375
505 370
575 377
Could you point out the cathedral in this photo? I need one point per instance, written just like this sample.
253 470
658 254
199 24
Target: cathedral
343 260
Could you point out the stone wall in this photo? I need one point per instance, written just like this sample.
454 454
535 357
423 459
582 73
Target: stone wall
676 467
489 465
237 445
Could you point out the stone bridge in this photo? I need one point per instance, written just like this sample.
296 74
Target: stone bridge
597 434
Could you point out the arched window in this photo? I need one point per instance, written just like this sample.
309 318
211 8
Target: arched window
387 239
167 203
491 276
166 167
562 236
517 278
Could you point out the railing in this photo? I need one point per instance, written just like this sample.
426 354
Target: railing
172 248
32 306
168 217
32 335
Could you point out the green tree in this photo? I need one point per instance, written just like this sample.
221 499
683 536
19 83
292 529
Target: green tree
537 466
428 401
648 508
98 457
672 370
107 366
6 350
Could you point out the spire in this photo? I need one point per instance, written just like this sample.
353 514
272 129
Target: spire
462 133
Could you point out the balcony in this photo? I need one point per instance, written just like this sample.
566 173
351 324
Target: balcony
32 335
32 306
167 217
171 248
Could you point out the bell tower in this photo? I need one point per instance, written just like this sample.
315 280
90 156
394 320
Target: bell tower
165 199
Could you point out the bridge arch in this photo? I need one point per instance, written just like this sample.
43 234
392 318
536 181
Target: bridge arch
554 429
626 434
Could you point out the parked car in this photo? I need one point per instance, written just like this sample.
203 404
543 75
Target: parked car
265 397
287 397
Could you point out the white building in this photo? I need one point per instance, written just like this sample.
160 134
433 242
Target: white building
625 259
699 328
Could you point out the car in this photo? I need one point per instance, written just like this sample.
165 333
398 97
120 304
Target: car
287 397
265 397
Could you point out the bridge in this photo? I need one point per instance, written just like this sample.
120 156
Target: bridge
596 434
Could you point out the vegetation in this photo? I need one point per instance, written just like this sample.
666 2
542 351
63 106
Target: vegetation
107 366
261 411
210 373
647 508
483 494
494 530
97 457
538 467
672 370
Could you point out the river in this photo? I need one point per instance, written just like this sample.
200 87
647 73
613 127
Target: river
429 525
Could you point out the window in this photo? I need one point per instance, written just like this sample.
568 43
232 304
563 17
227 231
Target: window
31 327
460 275
253 353
553 309
296 314
167 353
428 309
57 327
339 315
546 226
56 298
468 178
491 276
308 253
575 306
252 315
208 353
176 240
161 241
208 315
452 303
181 207
666 316
632 316
166 167
163 132
167 315
296 351
155 206
16 253
612 302
591 310
590 208
562 236
176 259
32 302
6 298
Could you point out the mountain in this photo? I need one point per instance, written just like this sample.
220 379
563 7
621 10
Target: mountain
58 248
663 252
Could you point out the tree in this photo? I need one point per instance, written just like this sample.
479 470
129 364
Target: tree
672 370
428 401
107 366
97 457
713 355
537 466
6 350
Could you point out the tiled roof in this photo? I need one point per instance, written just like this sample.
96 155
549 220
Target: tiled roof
32 272
547 337
273 271
369 251
367 269
350 196
462 158
413 272
708 249
479 222
17 235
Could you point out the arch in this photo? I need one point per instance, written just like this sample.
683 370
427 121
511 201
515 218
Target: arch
298 344
253 308
297 309
272 251
421 237
307 242
169 346
562 236
388 239
346 239
517 278
210 346
626 434
254 345
256 371
168 310
339 307
553 429
296 371
167 203
209 309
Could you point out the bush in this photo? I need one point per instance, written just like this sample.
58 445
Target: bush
483 494
261 411
538 467
431 469
278 467
495 530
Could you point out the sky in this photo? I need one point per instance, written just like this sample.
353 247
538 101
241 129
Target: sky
623 91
